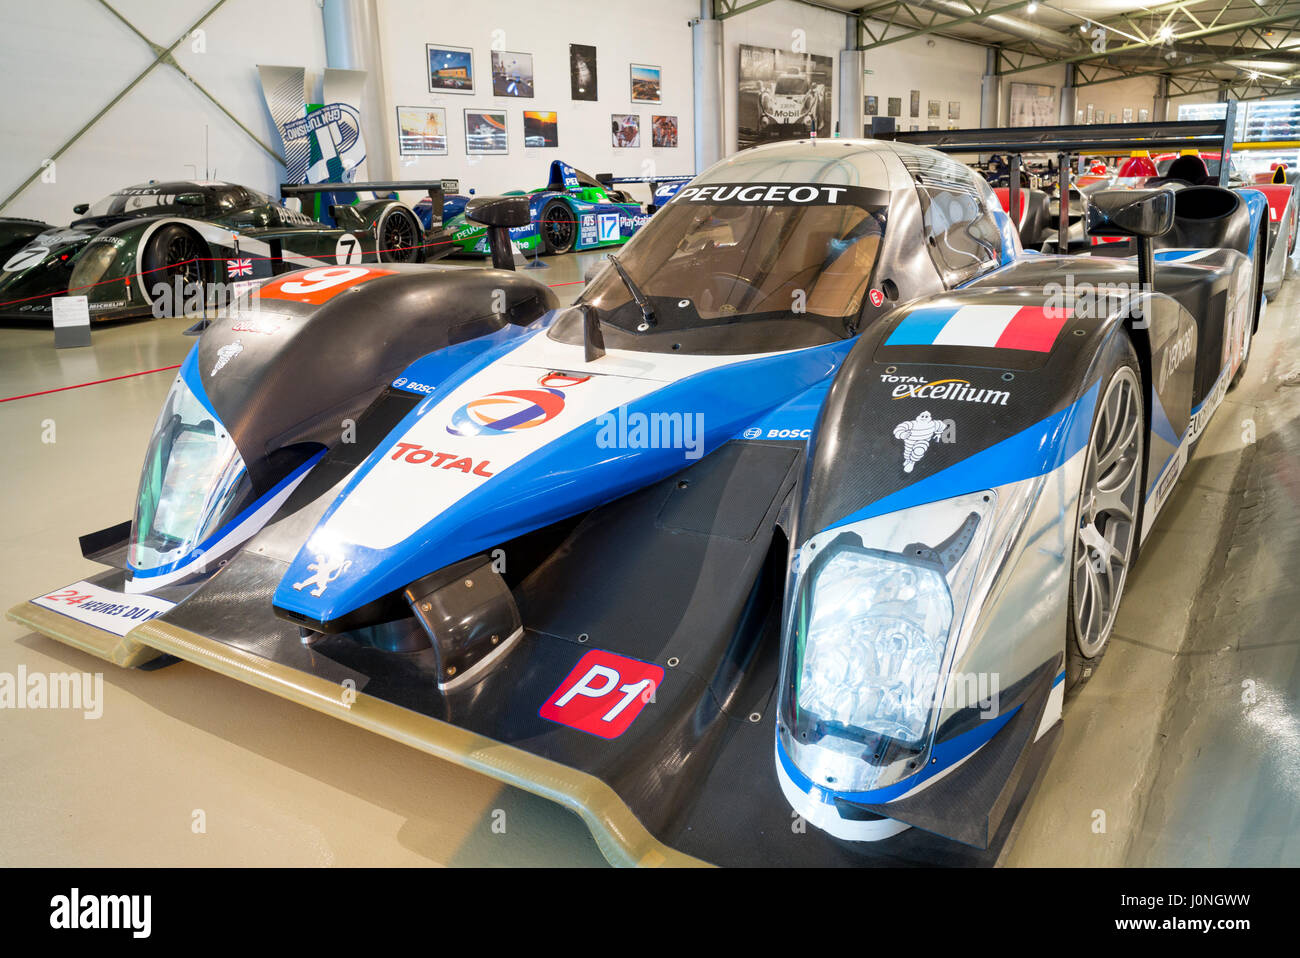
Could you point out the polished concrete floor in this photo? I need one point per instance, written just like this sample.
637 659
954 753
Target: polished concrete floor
1184 749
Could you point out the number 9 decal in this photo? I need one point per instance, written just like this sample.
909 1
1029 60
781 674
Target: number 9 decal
318 285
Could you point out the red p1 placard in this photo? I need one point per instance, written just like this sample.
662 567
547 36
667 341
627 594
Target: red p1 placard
603 694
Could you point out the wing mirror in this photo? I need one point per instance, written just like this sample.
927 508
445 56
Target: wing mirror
499 214
1144 214
81 208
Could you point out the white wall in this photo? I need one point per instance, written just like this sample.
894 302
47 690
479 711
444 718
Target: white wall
65 60
623 33
1136 93
948 71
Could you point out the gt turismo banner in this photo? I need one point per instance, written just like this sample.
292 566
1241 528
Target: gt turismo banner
323 142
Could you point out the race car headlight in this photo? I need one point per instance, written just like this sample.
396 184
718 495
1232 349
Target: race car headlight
193 481
92 265
874 632
873 628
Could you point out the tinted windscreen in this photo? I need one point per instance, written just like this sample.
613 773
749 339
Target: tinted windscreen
727 251
119 203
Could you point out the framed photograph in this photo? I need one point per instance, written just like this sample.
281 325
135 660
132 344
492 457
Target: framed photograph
954 110
485 132
895 106
512 73
625 129
1144 115
872 106
582 72
916 103
541 129
645 83
663 131
933 126
915 128
451 69
1113 118
1128 114
1033 104
782 95
421 131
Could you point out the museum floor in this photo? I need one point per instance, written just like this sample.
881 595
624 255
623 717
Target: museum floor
1184 749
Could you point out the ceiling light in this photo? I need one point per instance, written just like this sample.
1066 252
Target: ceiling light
1166 34
1032 8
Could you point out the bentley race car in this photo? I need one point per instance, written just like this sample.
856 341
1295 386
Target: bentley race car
127 253
573 211
811 508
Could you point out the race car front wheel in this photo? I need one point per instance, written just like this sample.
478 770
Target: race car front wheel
173 270
558 227
1106 531
399 237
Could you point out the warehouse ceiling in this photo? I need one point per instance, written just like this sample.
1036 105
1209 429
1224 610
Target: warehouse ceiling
1244 48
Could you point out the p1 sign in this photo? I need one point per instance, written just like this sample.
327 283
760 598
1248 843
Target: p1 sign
603 694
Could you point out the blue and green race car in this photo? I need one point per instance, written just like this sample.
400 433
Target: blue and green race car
574 211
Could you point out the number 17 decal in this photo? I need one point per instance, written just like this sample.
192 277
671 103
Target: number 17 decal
603 694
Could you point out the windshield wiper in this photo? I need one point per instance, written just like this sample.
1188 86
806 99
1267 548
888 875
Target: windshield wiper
647 311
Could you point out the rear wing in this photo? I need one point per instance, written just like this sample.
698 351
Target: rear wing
435 190
1105 139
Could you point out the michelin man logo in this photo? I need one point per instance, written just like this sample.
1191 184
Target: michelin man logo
225 354
917 434
326 572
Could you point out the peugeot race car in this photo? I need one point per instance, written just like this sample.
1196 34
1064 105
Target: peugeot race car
811 508
573 211
135 246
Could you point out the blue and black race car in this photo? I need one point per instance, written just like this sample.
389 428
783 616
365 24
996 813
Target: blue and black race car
813 507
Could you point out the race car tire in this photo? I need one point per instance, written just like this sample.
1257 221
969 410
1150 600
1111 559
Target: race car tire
174 251
1108 517
558 227
398 237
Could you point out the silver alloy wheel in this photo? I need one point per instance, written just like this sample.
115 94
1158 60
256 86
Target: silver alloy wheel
1110 493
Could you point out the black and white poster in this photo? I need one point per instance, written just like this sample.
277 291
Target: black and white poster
1034 104
582 72
782 95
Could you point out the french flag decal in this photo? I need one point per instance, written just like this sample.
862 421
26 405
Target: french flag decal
1031 328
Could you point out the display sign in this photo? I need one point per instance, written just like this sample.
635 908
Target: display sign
71 321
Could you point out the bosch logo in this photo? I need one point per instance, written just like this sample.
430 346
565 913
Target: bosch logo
789 433
753 432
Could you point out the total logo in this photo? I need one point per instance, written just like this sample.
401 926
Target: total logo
413 452
958 390
513 410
